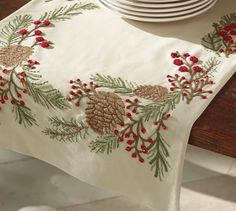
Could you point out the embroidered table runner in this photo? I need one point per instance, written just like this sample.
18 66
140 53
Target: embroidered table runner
110 101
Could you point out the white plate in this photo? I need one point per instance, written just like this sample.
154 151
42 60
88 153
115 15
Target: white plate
155 14
159 19
156 5
156 10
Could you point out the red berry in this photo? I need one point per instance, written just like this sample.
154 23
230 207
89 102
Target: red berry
2 101
1 77
77 104
129 115
186 54
178 62
36 63
143 130
79 92
136 100
23 32
232 25
174 55
44 44
69 99
227 38
71 81
91 82
25 91
193 59
204 97
23 74
38 32
210 91
19 95
183 69
134 110
121 139
141 160
6 97
197 69
22 80
46 23
13 102
39 39
227 28
184 94
172 89
150 140
73 87
127 135
169 76
116 132
128 149
221 33
176 75
129 142
134 155
22 103
183 78
78 80
122 124
5 71
84 84
37 22
71 93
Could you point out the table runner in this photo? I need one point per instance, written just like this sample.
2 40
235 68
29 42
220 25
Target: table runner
106 100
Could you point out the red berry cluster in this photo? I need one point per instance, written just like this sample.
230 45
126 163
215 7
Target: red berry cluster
192 79
36 33
79 90
228 35
12 84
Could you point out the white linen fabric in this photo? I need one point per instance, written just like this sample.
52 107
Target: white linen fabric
99 42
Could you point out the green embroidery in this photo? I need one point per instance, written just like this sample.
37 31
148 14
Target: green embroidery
134 125
222 39
64 130
9 34
19 77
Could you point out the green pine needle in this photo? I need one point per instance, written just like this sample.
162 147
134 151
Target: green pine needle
106 143
9 34
66 130
67 12
24 115
43 93
117 84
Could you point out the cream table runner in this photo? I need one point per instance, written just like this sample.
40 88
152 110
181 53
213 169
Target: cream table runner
107 100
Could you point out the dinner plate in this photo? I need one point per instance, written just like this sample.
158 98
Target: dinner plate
155 14
156 5
158 19
156 10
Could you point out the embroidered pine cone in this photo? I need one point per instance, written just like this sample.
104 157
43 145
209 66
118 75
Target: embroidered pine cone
13 55
151 92
104 111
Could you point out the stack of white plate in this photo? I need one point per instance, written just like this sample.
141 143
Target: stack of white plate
158 10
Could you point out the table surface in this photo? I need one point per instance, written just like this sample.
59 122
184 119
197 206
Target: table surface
214 130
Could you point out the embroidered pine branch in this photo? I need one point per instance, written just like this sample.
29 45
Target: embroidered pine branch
154 111
104 144
66 130
157 156
117 84
24 114
43 93
196 77
67 12
9 34
223 38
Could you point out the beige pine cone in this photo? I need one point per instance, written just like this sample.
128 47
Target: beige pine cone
151 92
104 111
13 55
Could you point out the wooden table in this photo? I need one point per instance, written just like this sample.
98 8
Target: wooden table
215 129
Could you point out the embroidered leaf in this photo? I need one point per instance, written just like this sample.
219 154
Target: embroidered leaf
212 41
106 143
9 35
24 115
66 12
118 84
157 156
156 110
43 93
63 130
